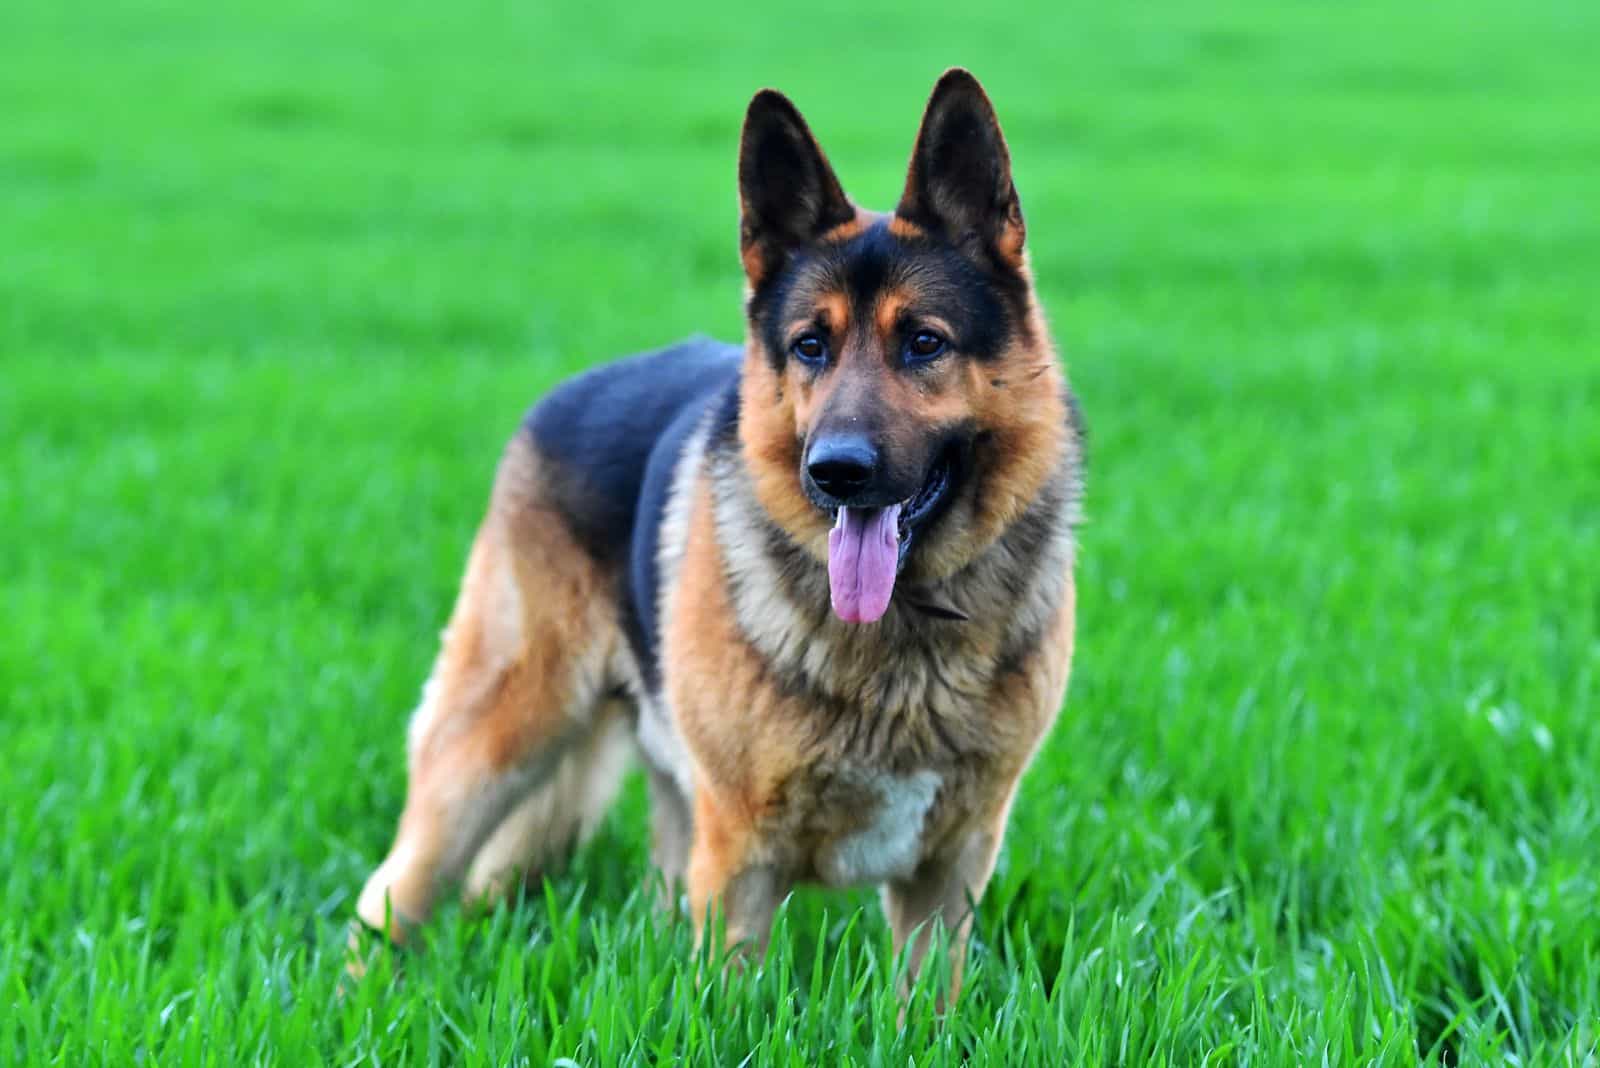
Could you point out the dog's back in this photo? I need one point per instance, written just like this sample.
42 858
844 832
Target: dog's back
610 440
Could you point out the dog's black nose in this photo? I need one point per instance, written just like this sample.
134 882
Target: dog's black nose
842 465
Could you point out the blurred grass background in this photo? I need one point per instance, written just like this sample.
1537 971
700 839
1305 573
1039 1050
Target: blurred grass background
276 281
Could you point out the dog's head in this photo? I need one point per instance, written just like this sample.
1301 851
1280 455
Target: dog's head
901 401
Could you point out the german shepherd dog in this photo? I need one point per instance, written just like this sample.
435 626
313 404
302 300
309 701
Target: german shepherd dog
821 582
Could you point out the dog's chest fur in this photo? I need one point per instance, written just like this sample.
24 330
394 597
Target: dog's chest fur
860 746
861 826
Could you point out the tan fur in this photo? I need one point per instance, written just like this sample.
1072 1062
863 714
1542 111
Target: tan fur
754 261
557 815
767 429
513 753
905 229
833 311
772 796
845 231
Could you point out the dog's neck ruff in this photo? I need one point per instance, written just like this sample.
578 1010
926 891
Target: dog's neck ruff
936 650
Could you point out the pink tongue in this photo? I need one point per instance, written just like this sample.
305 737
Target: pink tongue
863 554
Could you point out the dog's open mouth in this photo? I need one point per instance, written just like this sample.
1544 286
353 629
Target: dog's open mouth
867 547
920 508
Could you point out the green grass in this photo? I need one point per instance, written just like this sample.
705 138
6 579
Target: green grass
277 279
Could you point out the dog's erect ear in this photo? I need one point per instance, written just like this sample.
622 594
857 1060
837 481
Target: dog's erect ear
959 185
788 194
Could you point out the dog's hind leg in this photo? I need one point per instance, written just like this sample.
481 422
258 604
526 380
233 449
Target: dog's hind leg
514 750
550 821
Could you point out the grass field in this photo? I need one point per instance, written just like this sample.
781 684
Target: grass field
277 280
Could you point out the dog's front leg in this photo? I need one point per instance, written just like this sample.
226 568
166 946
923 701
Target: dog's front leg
943 891
727 877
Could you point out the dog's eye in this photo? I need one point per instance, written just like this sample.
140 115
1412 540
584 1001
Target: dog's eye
924 345
809 348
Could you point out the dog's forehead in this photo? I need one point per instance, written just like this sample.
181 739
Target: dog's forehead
875 265
880 279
